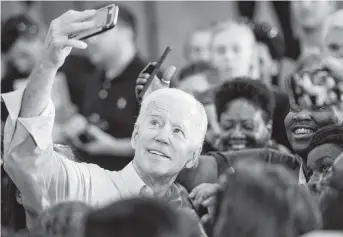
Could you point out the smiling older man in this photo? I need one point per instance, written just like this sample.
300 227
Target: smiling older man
167 138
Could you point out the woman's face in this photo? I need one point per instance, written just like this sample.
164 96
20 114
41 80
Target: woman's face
320 161
301 124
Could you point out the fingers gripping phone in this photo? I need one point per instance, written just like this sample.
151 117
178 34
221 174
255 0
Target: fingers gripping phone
156 69
105 19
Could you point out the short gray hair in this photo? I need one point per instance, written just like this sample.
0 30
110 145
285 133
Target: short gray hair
201 122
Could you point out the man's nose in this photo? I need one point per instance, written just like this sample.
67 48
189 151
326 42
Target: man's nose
303 115
229 55
163 135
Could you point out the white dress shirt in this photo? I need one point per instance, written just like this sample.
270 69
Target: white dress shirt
45 177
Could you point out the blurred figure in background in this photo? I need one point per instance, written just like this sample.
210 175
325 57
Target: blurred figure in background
310 17
197 78
233 56
23 42
197 45
283 12
281 208
332 47
271 48
140 217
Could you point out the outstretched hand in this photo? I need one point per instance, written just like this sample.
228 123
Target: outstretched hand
57 44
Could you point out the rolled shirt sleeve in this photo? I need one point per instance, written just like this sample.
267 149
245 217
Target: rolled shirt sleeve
43 176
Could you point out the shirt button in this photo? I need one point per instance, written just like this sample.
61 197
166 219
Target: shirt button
94 118
103 94
146 192
121 103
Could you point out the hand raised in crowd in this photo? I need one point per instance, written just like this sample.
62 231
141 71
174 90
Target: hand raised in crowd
156 84
205 195
58 45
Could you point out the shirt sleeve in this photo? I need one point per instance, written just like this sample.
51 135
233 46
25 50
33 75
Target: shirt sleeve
42 175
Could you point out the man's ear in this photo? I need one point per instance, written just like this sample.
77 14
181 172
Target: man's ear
193 162
134 136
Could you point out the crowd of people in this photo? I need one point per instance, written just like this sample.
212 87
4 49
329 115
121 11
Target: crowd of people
219 149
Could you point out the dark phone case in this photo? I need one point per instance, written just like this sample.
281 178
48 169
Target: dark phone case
104 29
149 70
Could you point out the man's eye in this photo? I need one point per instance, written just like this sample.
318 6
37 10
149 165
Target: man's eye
178 131
325 168
154 122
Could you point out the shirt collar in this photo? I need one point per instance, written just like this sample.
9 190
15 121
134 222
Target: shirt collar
132 180
136 186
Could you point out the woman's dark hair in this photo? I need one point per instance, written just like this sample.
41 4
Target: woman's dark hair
252 90
12 213
328 134
263 200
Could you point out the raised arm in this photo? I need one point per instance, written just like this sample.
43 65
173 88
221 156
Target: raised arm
41 174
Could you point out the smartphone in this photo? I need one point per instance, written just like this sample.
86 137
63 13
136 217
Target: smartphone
315 88
155 71
105 19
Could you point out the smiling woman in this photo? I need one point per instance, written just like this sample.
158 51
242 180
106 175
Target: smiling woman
301 124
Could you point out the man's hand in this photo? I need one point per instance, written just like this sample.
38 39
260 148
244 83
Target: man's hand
75 126
103 143
205 194
156 84
57 44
